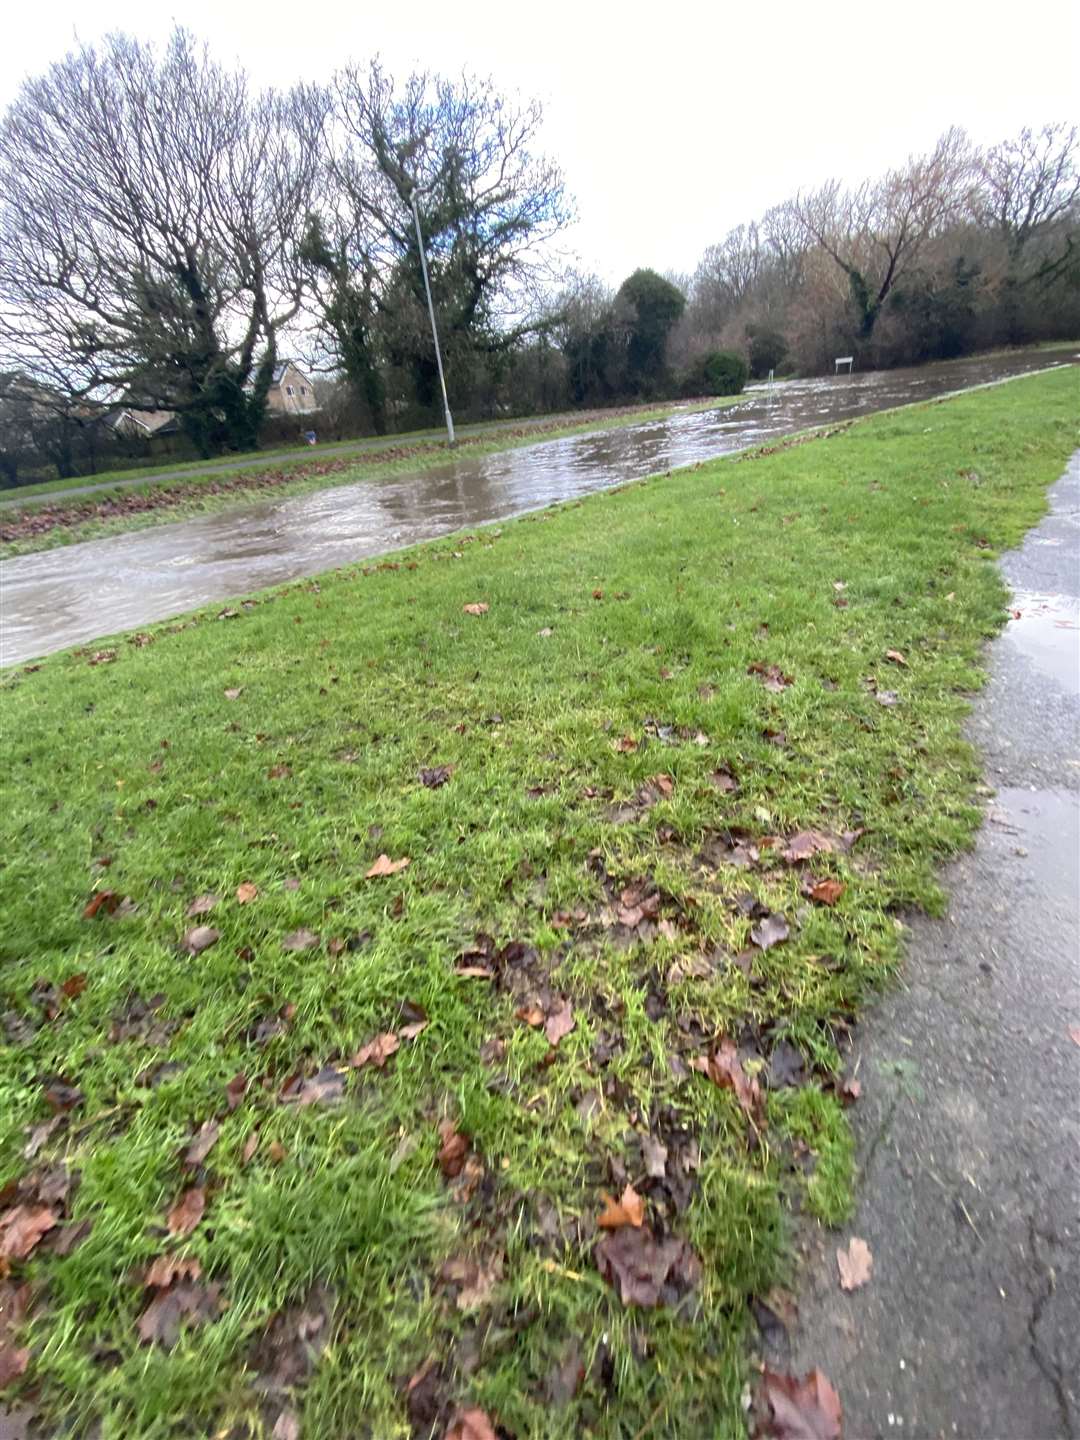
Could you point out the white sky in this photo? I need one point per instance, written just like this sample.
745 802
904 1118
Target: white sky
673 122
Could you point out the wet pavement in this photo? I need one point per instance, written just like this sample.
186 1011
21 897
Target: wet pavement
968 1128
75 593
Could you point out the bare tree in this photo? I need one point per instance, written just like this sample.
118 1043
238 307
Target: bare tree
1029 191
149 232
488 208
876 233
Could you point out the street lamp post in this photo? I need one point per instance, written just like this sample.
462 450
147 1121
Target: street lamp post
431 312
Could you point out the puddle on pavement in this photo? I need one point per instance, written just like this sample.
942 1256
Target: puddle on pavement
56 598
1046 628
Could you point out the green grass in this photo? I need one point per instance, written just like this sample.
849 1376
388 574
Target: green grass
181 470
356 682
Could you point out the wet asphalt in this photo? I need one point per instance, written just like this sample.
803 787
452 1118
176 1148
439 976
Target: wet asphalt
968 1127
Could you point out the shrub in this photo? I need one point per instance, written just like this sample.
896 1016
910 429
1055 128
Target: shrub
719 372
767 351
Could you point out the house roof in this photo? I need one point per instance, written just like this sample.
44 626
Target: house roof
282 366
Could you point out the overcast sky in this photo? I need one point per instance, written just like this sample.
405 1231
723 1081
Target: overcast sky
673 122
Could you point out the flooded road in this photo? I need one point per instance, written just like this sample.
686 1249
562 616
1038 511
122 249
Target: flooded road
76 593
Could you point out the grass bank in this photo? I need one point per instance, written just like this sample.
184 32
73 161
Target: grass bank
47 516
302 1140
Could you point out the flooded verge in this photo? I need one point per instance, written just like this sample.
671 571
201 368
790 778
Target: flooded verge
56 598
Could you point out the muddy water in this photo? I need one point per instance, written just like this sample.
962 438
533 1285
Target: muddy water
63 597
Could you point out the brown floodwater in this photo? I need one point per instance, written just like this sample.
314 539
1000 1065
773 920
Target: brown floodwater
75 593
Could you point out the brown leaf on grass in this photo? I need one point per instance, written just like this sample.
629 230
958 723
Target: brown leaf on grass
167 1269
106 900
385 866
477 608
724 1068
187 1211
325 1088
771 676
186 1303
897 657
200 938
62 1096
234 693
474 1280
724 781
824 892
471 1425
453 1149
202 1144
530 1014
279 772
773 930
887 698
626 745
848 1091
300 940
376 1052
66 1238
201 905
73 986
663 783
435 777
655 1155
246 892
286 1427
38 1135
22 1228
855 1264
806 843
560 1021
13 1363
564 1378
276 1152
646 1271
474 972
799 1408
251 1144
629 1209
234 1090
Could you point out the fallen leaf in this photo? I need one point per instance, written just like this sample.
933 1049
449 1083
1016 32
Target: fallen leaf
805 844
13 1363
474 972
825 892
279 772
854 1264
626 745
187 1211
167 1269
786 1066
887 697
246 892
724 781
896 656
22 1228
655 1156
169 1310
73 986
724 1068
251 1144
559 1022
453 1149
276 1152
530 1014
471 1424
546 632
432 779
663 783
476 1281
771 676
234 694
199 939
376 1052
201 905
1074 1034
327 1087
61 1096
300 940
38 1135
849 1091
286 1427
477 608
385 866
63 1240
806 1408
15 1423
647 1272
202 1144
773 930
106 900
234 1090
629 1209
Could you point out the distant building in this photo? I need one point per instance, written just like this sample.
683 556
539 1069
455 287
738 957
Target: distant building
145 423
291 392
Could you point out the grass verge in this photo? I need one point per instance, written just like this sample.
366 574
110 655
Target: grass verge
662 801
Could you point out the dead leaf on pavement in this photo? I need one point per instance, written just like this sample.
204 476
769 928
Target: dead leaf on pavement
385 866
471 1424
773 930
22 1228
187 1211
300 940
855 1264
376 1052
477 608
559 1022
246 892
201 905
200 938
629 1209
806 1408
824 892
202 1144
